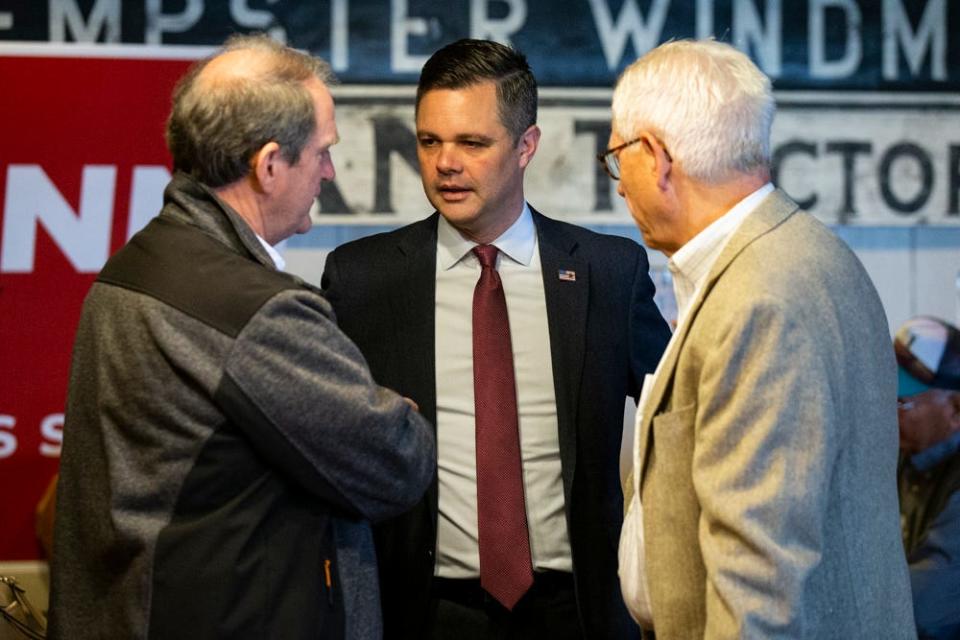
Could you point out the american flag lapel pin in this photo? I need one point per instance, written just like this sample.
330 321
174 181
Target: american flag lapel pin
567 275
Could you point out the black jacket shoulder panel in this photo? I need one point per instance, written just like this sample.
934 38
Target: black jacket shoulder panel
177 263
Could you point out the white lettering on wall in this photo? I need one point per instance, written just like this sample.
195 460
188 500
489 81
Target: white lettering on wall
645 34
339 25
931 34
8 441
483 27
51 428
750 34
704 19
65 15
820 66
6 20
32 198
146 195
159 22
401 29
244 16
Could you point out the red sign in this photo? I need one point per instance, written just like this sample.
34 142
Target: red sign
82 164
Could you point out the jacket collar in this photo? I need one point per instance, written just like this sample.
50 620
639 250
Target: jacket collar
189 201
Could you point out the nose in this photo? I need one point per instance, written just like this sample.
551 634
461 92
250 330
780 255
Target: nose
327 171
448 160
620 189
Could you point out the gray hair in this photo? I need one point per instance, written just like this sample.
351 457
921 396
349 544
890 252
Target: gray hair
217 124
709 104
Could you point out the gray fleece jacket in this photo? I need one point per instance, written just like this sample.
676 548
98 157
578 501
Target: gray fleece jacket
225 447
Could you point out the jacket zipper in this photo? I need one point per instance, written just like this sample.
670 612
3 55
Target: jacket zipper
329 580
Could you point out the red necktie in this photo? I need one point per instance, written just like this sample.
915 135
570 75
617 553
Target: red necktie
505 568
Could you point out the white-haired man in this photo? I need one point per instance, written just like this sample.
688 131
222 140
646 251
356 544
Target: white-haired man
763 500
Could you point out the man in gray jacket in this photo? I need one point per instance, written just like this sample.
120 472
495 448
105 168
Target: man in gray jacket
225 447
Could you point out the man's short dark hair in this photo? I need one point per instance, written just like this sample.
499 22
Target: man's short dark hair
466 62
215 128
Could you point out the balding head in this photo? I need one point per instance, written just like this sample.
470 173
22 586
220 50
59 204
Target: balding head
228 106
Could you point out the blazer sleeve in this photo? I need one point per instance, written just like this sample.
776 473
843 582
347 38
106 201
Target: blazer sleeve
765 437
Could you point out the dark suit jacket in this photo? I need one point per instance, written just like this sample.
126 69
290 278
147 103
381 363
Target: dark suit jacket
605 334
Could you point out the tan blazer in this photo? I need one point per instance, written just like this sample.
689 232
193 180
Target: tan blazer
768 467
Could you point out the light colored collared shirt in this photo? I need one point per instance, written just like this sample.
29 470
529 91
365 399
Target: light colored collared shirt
278 260
690 266
457 272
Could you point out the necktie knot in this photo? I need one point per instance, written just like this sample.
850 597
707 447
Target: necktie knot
487 255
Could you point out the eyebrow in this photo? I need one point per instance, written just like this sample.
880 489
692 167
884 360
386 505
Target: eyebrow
475 137
460 137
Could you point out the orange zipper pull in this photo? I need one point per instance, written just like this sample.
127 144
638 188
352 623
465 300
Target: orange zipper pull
329 580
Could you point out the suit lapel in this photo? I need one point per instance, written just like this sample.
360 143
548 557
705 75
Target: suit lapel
412 302
772 211
567 302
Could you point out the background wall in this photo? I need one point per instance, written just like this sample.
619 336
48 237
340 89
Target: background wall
867 137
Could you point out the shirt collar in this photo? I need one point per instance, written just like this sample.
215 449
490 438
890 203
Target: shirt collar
691 264
278 260
715 235
517 243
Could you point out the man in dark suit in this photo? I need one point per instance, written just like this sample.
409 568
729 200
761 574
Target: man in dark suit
524 372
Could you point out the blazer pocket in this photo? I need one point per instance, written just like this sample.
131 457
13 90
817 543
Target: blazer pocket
673 442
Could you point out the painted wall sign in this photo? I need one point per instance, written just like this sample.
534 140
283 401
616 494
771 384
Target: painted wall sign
802 44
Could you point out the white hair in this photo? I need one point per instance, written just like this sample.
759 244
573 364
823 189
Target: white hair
709 105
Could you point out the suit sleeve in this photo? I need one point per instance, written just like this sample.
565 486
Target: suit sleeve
765 439
302 392
649 332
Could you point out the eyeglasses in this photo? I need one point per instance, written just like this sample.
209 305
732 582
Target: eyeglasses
610 161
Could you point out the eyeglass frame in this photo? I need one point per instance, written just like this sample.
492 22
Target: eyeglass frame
612 153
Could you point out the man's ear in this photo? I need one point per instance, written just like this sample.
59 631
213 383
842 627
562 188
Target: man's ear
528 145
661 162
265 166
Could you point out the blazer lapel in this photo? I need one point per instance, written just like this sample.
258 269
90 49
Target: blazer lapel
413 304
566 299
771 212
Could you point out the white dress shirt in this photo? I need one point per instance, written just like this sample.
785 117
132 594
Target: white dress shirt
690 266
278 260
457 272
